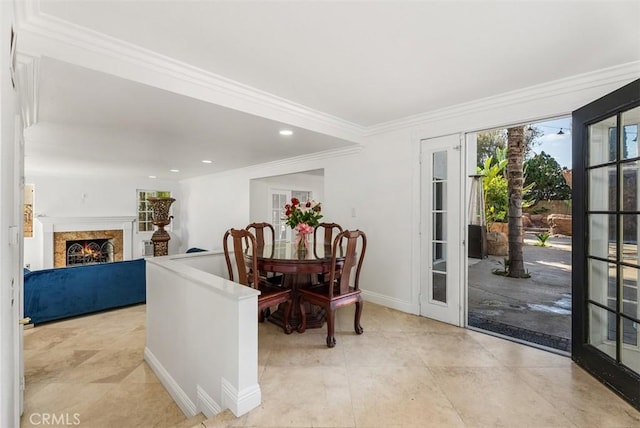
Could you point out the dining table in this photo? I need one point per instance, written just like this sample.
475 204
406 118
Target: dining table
300 267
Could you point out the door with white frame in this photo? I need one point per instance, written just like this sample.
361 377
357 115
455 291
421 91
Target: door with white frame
442 220
277 200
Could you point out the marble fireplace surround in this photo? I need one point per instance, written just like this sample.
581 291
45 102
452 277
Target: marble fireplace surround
118 228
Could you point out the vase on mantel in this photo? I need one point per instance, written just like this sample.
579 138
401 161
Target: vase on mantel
160 217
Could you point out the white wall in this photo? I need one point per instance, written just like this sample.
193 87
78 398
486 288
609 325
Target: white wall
10 259
382 182
260 202
96 197
203 372
227 201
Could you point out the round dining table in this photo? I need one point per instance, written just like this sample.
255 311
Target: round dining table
299 268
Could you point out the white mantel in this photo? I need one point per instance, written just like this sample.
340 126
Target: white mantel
80 224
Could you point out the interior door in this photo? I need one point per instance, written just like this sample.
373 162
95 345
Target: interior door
278 199
606 232
441 225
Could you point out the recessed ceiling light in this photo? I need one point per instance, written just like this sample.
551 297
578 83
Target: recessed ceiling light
207 161
286 132
152 176
174 170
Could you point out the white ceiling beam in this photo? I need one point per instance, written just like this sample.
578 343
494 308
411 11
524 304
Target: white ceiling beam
49 36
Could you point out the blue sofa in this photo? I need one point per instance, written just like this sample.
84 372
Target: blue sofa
52 294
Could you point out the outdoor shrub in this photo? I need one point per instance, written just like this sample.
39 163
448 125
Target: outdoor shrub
542 239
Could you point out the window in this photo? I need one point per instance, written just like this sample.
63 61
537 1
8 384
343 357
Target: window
145 215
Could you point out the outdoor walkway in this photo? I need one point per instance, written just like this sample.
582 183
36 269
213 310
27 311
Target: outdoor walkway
537 309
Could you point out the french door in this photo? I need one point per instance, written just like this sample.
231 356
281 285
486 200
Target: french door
441 237
277 200
606 233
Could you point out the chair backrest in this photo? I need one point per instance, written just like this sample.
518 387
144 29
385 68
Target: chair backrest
327 236
353 257
242 240
259 232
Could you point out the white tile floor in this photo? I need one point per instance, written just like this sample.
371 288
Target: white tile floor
404 371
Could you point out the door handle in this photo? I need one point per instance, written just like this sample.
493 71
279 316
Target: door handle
24 321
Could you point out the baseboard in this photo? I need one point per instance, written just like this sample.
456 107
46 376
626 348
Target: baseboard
179 396
390 302
240 402
206 404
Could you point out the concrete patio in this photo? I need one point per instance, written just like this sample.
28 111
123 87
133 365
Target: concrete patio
536 309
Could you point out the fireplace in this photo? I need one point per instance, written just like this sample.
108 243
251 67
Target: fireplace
118 231
89 251
87 247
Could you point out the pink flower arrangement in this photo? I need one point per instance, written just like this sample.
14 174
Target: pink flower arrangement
307 213
303 218
304 228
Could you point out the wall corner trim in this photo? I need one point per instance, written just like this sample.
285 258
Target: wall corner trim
181 398
206 404
243 401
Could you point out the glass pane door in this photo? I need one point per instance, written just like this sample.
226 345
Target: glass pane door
606 211
441 253
438 234
612 256
278 201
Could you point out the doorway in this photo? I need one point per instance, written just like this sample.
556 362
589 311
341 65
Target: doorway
268 195
536 309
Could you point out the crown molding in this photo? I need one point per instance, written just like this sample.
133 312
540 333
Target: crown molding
295 161
28 78
87 48
282 166
84 47
617 74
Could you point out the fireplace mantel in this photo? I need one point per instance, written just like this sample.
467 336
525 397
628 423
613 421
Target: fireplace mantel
78 224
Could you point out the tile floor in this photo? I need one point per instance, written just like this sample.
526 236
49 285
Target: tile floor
404 371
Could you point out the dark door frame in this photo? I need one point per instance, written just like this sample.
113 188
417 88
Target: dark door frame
609 371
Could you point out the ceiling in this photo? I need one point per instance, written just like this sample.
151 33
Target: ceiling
362 63
95 123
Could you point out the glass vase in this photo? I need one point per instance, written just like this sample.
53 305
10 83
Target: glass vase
302 241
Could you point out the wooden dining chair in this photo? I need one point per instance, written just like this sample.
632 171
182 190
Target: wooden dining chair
327 235
259 230
326 241
337 290
244 243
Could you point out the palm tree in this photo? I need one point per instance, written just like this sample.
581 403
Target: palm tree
515 183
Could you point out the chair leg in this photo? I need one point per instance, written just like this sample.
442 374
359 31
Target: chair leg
303 316
331 318
356 319
287 316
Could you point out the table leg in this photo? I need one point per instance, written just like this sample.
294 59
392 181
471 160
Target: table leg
315 314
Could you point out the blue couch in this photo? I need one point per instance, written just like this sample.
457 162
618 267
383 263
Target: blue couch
52 294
